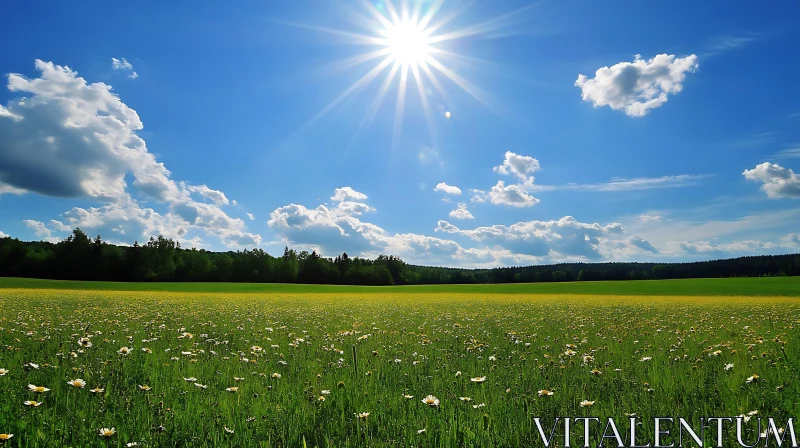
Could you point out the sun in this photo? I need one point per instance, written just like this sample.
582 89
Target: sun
407 43
406 47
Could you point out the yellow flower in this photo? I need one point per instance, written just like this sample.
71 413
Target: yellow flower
478 379
6 436
144 387
586 403
79 383
275 376
232 389
362 415
569 352
124 351
430 400
32 403
97 390
321 398
465 399
107 432
596 372
38 389
753 378
545 393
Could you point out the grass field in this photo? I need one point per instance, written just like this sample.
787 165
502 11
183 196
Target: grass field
305 364
764 287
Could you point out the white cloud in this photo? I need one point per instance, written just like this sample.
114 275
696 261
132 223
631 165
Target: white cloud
791 240
214 195
517 165
251 216
449 189
563 238
514 195
75 139
347 194
3 235
777 181
461 212
40 230
734 248
125 66
650 218
59 226
638 86
478 196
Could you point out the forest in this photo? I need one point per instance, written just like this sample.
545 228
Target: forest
80 257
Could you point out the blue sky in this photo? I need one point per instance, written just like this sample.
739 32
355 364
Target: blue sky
555 131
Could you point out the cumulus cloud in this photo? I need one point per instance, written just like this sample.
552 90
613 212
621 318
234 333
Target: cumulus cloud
40 230
461 212
565 237
517 165
639 86
776 181
124 66
3 235
720 249
70 138
59 226
214 195
347 194
449 189
514 195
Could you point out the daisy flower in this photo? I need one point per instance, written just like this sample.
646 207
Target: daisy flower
107 432
430 400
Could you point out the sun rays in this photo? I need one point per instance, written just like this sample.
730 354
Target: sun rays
405 52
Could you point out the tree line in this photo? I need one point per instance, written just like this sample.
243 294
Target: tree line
79 257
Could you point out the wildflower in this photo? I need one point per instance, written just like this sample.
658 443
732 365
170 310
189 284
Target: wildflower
107 432
31 403
362 415
79 383
570 352
97 390
325 392
3 372
493 358
458 373
146 350
728 366
321 398
646 358
228 430
586 403
32 366
200 386
124 351
595 372
144 387
465 399
232 389
753 379
131 444
238 379
275 376
478 379
420 431
478 406
545 393
407 396
191 379
430 400
38 389
4 437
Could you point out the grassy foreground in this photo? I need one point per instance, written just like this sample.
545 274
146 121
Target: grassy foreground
333 368
770 286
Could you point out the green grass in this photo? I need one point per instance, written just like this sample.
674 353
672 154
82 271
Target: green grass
773 286
655 356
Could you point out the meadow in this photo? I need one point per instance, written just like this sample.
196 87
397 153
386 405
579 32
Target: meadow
345 367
